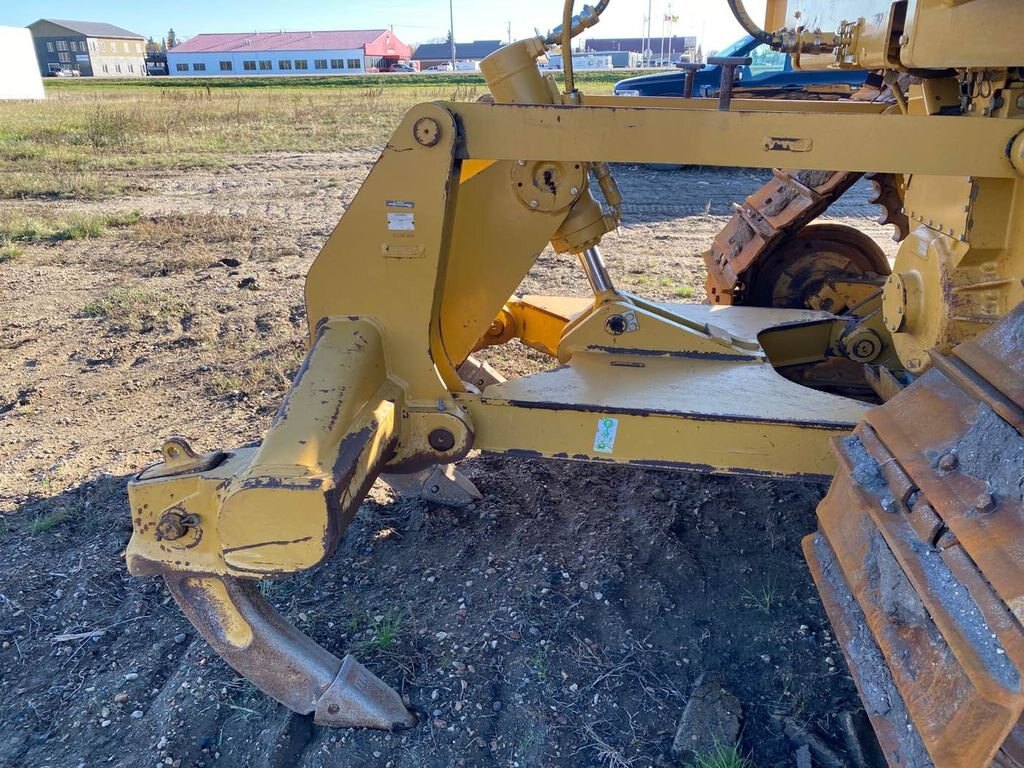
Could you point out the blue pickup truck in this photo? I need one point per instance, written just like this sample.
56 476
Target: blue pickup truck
769 76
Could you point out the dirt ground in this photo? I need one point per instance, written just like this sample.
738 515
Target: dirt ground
562 621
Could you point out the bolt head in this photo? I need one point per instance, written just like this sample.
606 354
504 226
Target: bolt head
441 439
171 526
534 203
985 502
948 462
427 132
616 325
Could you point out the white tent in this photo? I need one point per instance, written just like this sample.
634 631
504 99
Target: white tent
19 70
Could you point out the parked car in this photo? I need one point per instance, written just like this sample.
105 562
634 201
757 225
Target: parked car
770 75
65 73
402 67
447 67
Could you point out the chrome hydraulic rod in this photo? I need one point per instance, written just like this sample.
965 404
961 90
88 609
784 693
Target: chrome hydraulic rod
597 272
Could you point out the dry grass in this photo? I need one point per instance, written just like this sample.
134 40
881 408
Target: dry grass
182 228
54 180
265 371
87 144
88 139
181 242
137 309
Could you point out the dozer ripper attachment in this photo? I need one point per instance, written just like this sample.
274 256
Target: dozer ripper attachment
918 558
211 524
919 554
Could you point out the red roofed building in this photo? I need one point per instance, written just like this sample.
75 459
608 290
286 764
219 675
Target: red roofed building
287 53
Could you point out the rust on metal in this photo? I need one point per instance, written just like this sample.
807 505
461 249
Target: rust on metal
174 524
918 562
780 208
241 626
728 65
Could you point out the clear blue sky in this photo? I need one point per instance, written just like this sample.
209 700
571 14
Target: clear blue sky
414 20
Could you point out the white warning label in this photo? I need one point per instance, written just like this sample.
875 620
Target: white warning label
402 222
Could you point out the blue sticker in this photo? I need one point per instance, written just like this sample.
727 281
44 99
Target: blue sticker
604 440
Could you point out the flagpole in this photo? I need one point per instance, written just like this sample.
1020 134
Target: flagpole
451 29
661 59
671 18
650 19
643 39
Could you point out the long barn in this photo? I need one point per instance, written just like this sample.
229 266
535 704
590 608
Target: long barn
287 53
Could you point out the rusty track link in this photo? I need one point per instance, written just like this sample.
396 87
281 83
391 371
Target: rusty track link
774 214
918 558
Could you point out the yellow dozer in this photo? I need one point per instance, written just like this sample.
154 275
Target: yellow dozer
919 556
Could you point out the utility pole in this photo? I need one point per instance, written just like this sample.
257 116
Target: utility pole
508 25
451 29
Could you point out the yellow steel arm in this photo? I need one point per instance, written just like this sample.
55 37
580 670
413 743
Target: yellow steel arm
817 141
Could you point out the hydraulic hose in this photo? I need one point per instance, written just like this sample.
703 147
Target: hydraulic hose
571 27
748 24
588 17
570 84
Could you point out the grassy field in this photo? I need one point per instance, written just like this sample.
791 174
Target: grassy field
86 140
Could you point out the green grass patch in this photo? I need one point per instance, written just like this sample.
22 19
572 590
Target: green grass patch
16 227
762 599
321 82
722 757
43 523
385 633
134 308
387 630
224 384
10 251
684 291
51 182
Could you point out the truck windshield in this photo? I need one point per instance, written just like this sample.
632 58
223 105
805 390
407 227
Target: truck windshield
736 49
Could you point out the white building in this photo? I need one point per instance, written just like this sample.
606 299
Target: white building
19 73
287 53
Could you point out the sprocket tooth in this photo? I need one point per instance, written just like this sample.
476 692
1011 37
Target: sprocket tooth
887 196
